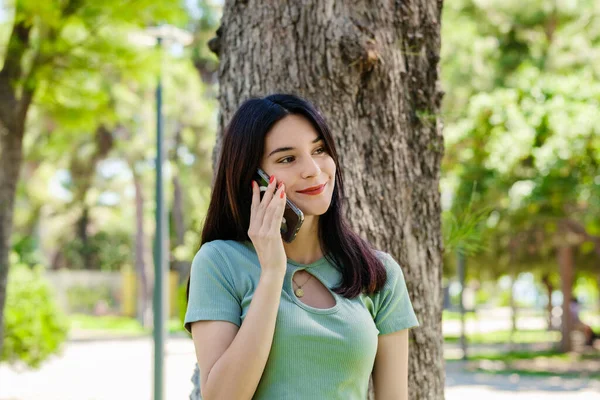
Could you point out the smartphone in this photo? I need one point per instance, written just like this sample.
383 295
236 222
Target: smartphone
293 217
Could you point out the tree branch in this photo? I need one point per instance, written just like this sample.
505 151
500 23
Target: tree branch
10 74
579 229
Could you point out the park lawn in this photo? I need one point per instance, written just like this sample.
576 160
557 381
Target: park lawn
117 325
536 363
448 315
539 373
504 336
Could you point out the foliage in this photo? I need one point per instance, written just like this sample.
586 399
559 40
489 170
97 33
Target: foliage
182 304
34 326
463 230
92 73
83 299
522 87
101 251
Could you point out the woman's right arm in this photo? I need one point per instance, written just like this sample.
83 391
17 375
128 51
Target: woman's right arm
237 372
232 360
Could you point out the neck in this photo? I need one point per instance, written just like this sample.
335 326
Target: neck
306 248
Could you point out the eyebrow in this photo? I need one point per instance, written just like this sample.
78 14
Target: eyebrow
282 149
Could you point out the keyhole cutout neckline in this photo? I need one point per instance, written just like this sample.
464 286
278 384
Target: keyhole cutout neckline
292 267
319 281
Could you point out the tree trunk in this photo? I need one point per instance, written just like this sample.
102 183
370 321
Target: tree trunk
598 289
549 288
461 265
83 172
565 262
513 309
181 266
11 154
14 104
82 234
144 304
371 68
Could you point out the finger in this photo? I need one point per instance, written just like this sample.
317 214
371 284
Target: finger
255 201
280 210
259 214
274 215
268 194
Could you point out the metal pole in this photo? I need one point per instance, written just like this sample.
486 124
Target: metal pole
160 265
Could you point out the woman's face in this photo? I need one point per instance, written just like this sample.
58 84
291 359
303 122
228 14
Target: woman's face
297 156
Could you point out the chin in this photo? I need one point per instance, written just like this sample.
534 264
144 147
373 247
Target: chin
315 209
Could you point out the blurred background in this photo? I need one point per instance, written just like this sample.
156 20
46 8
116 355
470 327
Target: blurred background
520 192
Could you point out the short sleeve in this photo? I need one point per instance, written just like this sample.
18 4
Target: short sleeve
393 309
212 290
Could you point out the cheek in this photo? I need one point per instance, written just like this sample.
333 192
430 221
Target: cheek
330 167
281 175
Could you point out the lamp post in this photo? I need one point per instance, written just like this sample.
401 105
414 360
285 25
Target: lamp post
161 248
159 36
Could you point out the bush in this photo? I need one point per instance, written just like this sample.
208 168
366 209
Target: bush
34 326
83 299
102 251
182 304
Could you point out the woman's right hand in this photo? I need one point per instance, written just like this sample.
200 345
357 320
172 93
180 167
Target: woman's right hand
265 227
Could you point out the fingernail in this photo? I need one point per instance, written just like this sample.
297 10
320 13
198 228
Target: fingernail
271 179
252 184
281 195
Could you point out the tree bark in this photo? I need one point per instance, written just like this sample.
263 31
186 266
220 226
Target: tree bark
11 154
372 70
14 103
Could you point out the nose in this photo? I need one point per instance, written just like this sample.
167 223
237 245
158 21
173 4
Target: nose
311 168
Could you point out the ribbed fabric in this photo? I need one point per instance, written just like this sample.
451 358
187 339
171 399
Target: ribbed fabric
316 353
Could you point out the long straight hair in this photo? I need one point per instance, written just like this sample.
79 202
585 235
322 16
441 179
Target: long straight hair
228 216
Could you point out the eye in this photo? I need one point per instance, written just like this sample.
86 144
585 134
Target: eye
289 159
286 160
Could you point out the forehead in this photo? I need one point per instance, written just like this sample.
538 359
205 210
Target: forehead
291 131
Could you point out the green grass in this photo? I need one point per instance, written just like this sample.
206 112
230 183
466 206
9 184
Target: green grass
530 355
541 374
512 363
118 325
520 355
455 316
111 323
529 336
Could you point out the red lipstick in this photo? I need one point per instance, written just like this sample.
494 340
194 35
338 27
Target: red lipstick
314 190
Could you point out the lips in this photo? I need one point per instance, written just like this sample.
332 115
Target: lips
313 190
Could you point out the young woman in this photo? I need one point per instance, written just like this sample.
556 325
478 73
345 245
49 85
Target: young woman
309 319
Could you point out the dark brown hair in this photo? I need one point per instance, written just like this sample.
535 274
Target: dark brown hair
228 216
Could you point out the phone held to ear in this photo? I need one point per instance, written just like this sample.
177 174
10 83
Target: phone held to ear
293 217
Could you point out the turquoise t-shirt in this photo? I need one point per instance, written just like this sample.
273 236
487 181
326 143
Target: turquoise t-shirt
316 353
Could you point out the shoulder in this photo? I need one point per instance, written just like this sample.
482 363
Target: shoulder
222 247
220 251
392 267
233 254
